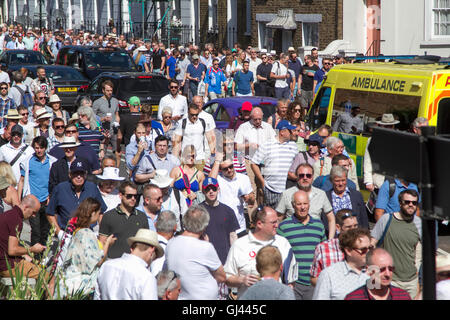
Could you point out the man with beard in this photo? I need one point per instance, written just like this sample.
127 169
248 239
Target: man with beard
123 221
42 82
319 203
400 234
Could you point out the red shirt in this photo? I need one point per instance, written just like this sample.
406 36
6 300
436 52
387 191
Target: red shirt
363 294
326 253
9 221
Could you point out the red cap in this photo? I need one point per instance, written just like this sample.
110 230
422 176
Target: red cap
247 106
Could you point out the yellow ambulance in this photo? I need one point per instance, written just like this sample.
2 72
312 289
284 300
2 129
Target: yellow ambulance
406 89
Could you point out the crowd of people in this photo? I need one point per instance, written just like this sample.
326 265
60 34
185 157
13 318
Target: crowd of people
272 211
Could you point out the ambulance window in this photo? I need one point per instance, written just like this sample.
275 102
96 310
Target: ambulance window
318 113
373 105
443 120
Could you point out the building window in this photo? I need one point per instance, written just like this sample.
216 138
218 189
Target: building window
265 39
310 34
441 16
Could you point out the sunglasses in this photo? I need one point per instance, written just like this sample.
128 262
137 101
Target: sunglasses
305 175
209 188
59 127
71 131
131 195
327 64
230 167
40 98
390 268
193 115
297 110
362 251
4 88
24 114
408 202
173 87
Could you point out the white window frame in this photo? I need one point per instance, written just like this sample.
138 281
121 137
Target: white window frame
303 33
429 23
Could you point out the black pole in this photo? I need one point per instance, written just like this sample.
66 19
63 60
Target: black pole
428 223
40 15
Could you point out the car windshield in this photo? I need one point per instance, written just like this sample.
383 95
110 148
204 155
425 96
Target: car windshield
144 84
64 74
26 58
105 59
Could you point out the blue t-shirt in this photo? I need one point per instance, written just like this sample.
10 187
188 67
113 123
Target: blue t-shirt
39 173
141 62
214 80
391 204
243 81
196 72
171 63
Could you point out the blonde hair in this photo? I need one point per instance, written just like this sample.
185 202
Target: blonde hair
187 151
6 171
268 260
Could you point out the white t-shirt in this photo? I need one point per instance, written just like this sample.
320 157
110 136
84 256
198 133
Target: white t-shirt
193 134
178 105
253 65
112 200
210 125
4 77
194 260
248 132
241 258
8 153
280 69
231 192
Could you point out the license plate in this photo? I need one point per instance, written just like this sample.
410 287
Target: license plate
70 89
155 108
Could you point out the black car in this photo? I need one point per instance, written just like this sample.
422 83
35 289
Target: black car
149 87
66 80
91 61
15 59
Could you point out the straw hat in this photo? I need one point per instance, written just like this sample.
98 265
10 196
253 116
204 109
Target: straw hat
149 237
42 114
13 114
387 119
69 142
110 173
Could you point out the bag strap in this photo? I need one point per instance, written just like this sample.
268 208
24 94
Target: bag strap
177 197
380 242
151 161
305 156
18 155
136 167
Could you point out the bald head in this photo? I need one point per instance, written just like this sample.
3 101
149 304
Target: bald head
377 255
300 203
256 116
30 205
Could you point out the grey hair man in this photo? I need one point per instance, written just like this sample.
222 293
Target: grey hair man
195 260
323 166
418 123
166 225
169 285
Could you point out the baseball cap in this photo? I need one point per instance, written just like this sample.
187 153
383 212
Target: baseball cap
195 57
17 129
284 124
247 106
210 182
134 101
315 138
79 165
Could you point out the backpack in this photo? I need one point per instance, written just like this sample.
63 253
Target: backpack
27 99
183 127
371 202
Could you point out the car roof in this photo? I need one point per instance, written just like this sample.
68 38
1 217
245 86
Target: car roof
94 48
22 51
129 74
236 102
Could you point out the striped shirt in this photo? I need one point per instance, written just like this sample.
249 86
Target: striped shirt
277 158
362 293
239 167
5 105
91 137
327 253
303 239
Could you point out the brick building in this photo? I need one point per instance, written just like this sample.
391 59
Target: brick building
272 24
